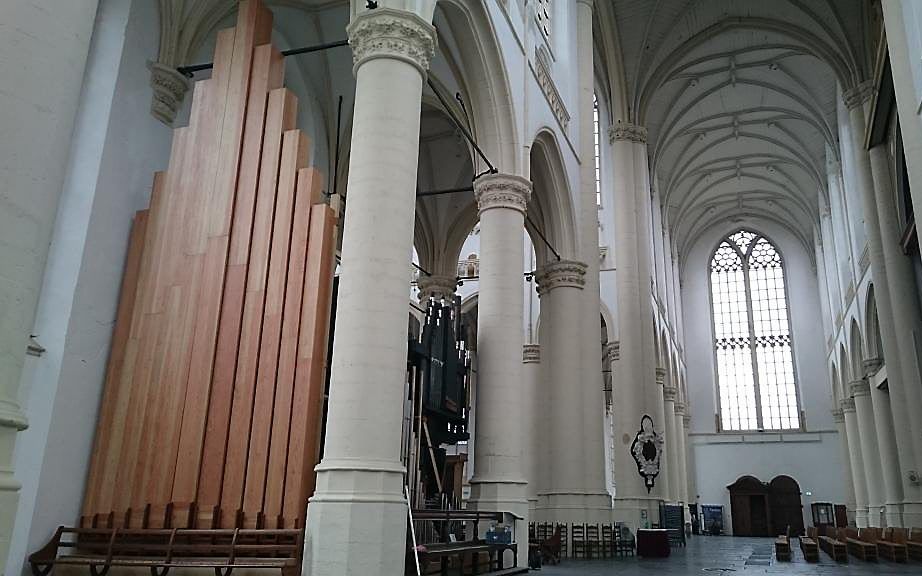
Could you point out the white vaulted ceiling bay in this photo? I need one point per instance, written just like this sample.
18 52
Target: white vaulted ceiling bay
739 100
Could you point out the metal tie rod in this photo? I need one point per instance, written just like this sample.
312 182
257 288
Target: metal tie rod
190 70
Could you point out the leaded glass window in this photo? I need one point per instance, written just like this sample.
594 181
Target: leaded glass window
752 337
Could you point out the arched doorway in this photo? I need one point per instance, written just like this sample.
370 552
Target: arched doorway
749 507
786 509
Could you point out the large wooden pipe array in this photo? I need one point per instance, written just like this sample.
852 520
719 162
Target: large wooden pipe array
211 411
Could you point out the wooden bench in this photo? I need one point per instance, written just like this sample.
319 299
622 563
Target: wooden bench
914 544
783 548
808 547
862 544
439 551
830 545
892 545
99 549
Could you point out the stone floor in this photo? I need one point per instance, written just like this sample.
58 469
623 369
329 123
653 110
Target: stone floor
725 556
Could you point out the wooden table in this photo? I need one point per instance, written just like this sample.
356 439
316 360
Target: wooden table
653 543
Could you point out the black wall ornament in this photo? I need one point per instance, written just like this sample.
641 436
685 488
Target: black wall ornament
647 450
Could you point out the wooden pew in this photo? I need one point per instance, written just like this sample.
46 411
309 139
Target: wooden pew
914 544
808 546
437 555
835 548
862 544
892 545
783 548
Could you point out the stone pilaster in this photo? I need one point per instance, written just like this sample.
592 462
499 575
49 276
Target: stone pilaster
499 481
358 514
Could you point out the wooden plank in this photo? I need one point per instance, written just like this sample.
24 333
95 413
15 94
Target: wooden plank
280 118
309 190
304 439
114 395
294 157
268 61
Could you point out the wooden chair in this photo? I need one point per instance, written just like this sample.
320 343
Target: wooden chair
593 541
624 541
550 547
564 540
914 543
578 536
608 541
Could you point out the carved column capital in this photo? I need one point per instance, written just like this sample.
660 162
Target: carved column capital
388 33
502 191
848 405
661 376
170 89
670 393
838 415
563 273
679 409
611 352
627 131
858 95
438 287
859 387
686 421
872 366
531 354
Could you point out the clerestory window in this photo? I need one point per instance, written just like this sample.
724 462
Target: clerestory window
752 336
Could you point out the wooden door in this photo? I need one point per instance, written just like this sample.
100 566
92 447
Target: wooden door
786 509
749 508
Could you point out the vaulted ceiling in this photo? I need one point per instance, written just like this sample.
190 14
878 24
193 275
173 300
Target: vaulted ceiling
739 100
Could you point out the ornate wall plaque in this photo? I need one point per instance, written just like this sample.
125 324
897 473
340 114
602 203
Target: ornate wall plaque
647 449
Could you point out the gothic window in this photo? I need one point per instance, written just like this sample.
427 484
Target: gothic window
543 17
752 337
598 171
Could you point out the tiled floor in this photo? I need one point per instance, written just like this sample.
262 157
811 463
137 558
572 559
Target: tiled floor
727 556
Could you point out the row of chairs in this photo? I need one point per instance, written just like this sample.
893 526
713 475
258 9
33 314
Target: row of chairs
586 540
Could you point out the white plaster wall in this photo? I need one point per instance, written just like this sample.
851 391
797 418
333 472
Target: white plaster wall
812 457
117 146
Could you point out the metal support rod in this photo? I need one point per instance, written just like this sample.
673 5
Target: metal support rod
464 130
445 191
418 267
543 239
192 69
339 121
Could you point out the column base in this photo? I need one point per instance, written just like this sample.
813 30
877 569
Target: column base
861 517
357 520
875 515
637 512
576 507
912 514
504 496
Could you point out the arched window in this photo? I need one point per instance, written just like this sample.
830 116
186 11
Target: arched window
752 337
598 170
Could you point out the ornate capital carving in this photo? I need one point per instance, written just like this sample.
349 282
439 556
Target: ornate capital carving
438 287
170 89
670 393
611 352
564 273
679 409
872 366
859 387
389 33
661 376
502 191
858 95
531 353
838 415
686 421
848 405
627 131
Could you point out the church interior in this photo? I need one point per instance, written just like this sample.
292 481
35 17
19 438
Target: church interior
414 287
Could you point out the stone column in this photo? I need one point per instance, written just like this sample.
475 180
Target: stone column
596 499
44 46
672 440
560 288
534 450
681 446
657 401
902 288
867 429
690 470
635 367
358 514
897 308
499 481
857 463
437 287
839 417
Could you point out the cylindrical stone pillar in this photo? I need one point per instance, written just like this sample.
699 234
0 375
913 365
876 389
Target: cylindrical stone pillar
358 514
867 429
839 417
531 358
672 441
691 487
656 399
499 482
897 308
681 442
560 287
858 474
